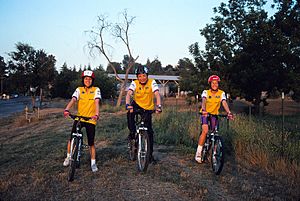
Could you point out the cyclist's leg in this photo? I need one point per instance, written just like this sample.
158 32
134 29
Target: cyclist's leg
90 131
202 137
213 122
131 125
66 161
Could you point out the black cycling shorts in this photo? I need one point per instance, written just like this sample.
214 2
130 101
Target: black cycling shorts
90 131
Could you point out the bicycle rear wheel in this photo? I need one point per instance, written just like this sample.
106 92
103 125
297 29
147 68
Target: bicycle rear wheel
217 155
143 154
74 154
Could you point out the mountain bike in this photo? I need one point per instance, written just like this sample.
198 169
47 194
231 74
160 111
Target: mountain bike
76 146
213 149
139 147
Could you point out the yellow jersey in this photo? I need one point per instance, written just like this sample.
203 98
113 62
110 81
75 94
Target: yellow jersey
144 93
86 101
213 100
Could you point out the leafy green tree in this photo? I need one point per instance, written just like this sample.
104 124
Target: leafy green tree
287 21
62 85
190 77
30 68
107 85
155 67
20 66
3 73
246 49
116 65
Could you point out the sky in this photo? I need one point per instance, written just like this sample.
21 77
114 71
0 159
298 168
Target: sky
162 29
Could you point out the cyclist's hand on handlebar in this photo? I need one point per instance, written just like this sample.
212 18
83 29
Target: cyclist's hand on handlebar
230 116
158 109
95 117
66 113
129 108
204 113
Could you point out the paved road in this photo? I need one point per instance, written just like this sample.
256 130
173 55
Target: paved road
8 107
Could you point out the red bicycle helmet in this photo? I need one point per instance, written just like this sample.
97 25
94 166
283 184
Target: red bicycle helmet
88 73
213 77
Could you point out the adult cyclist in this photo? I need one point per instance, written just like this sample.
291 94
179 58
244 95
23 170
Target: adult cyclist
211 102
88 98
143 91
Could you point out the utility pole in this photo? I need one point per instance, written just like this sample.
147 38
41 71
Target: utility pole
282 124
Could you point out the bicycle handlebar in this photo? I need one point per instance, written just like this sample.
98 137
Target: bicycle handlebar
80 117
218 115
141 111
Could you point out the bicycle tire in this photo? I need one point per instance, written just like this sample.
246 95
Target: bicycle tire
217 155
79 153
143 154
74 154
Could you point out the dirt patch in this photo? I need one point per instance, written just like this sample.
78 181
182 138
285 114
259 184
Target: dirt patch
290 107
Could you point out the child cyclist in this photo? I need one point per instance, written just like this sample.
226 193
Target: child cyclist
88 98
211 102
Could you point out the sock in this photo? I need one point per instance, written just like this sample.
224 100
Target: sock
68 155
93 161
199 149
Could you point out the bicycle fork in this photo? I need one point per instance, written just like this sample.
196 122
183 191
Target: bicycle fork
79 137
141 128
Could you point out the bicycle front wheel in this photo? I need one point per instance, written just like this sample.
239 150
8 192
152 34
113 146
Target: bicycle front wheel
143 154
74 154
217 155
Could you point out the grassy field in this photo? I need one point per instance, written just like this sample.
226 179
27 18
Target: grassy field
32 155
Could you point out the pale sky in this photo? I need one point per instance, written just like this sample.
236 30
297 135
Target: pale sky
162 28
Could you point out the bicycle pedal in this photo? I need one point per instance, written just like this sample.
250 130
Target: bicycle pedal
84 146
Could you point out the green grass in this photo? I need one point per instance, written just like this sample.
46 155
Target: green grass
257 141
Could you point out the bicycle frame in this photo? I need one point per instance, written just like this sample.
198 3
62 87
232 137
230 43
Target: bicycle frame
75 149
142 141
214 142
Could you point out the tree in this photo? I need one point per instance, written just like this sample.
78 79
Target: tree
190 77
3 73
62 85
30 68
117 67
155 67
20 67
287 21
245 48
119 31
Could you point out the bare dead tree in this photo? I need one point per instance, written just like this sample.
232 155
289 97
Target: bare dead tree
121 32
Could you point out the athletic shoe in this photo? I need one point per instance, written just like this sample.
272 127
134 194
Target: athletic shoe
67 161
198 157
94 168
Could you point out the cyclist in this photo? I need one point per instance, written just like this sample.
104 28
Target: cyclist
211 102
88 98
143 91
